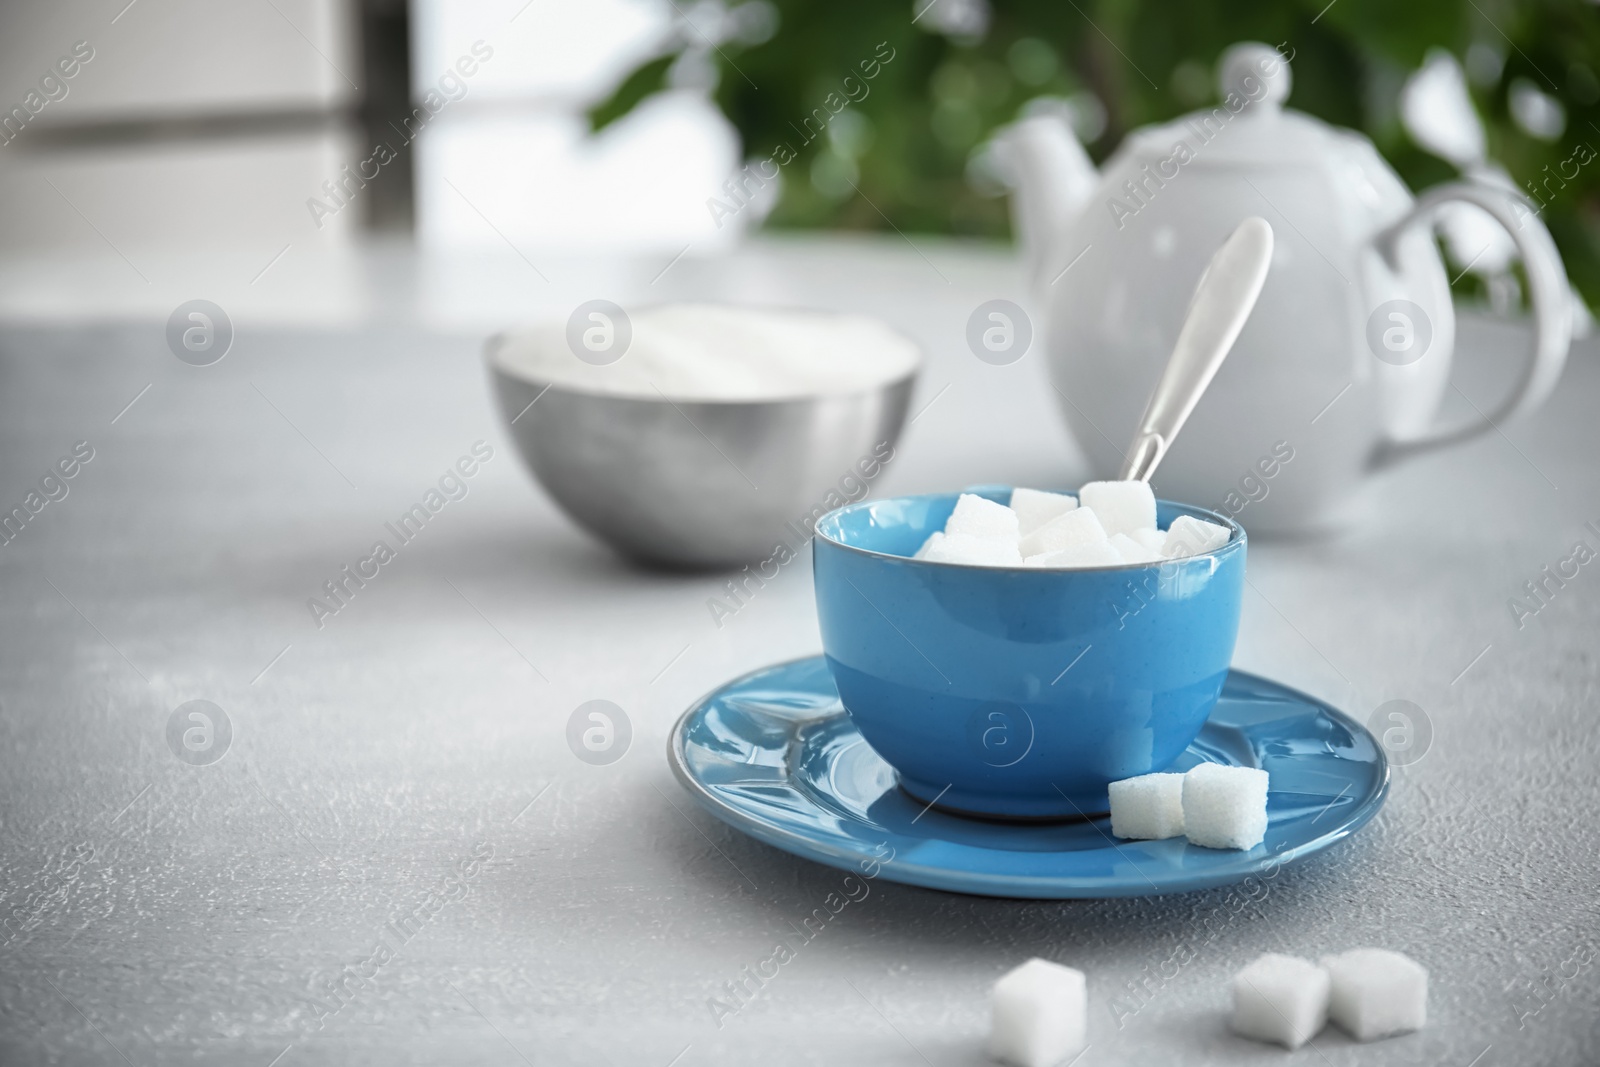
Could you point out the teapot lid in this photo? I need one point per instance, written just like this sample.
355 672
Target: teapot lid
1250 126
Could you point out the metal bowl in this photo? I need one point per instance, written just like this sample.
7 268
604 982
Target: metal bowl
699 484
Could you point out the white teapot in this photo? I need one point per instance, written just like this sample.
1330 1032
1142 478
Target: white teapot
1343 364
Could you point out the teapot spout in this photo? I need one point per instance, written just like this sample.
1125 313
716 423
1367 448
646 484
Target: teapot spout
1051 179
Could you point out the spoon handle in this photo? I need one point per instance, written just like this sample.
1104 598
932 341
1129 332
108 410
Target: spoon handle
1223 300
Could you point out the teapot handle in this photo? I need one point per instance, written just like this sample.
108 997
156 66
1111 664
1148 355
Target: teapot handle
1552 310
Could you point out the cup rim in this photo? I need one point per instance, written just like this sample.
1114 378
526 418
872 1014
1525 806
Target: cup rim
1236 540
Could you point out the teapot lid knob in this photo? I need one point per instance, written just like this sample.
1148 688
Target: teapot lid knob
1256 72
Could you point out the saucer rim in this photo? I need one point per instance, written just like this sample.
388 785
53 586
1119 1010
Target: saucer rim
1019 886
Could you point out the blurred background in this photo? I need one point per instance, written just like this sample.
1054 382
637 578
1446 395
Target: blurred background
594 125
368 189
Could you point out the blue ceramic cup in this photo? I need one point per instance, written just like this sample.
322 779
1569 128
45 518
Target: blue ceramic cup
1017 692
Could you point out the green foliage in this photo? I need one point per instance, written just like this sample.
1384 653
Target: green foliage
900 158
644 81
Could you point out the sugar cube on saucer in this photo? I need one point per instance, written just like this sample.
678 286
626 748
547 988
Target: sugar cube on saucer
1189 536
1094 554
980 517
1034 508
1282 999
1040 1015
1121 506
971 549
1225 807
1149 807
1132 551
1080 526
1377 993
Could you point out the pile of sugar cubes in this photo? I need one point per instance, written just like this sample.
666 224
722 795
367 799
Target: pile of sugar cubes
1039 1011
1212 805
1106 525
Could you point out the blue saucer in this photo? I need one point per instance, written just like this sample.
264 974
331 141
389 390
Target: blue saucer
776 755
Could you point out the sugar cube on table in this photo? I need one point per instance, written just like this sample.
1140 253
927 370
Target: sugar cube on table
1121 506
1040 1012
1034 508
1149 807
1225 807
982 517
1189 536
1079 526
1377 993
1132 551
1094 554
970 549
1282 999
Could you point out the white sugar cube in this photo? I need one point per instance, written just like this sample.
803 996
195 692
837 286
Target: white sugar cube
1034 508
1153 539
1225 807
977 551
1377 993
981 517
928 545
1080 526
1132 551
1189 536
1149 807
1095 554
1121 506
1282 999
1040 1014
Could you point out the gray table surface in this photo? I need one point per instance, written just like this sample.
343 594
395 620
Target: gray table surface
158 912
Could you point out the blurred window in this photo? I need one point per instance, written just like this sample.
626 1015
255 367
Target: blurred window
510 157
